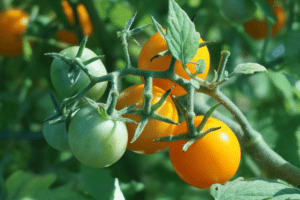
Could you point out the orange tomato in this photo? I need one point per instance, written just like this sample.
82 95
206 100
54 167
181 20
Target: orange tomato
67 37
214 158
84 19
259 29
157 44
13 24
154 129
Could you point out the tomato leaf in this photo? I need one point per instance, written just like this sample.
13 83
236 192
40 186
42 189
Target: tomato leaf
249 68
266 9
254 189
25 184
97 182
181 37
200 66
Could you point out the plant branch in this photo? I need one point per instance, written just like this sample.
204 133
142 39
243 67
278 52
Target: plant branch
252 142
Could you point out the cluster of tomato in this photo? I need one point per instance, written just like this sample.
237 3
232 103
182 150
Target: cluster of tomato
99 140
14 23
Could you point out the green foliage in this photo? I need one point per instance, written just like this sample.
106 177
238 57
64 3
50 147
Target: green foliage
270 101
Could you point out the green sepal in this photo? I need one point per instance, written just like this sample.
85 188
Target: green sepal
179 105
89 61
139 29
158 27
56 106
102 112
207 116
162 118
127 109
140 128
81 47
162 100
130 22
173 138
60 57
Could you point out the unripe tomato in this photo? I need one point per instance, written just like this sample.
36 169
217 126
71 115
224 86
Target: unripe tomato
154 128
56 135
13 24
238 10
214 158
95 140
65 86
259 29
157 44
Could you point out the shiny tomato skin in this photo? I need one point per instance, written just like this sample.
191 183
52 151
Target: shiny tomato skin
214 158
154 129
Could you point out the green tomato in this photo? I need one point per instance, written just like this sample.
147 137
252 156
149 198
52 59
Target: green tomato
56 135
96 141
65 81
238 10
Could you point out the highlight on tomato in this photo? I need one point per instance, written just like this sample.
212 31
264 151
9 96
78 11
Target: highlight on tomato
157 44
13 24
154 128
214 158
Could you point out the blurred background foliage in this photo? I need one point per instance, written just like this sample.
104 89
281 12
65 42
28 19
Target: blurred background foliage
269 100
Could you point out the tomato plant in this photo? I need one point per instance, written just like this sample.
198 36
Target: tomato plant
56 135
95 139
157 44
238 10
13 24
258 29
212 159
154 128
64 76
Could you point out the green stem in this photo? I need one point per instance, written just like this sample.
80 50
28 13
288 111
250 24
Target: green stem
114 95
147 95
190 114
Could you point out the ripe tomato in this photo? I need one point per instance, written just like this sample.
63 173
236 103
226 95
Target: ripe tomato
65 86
56 135
238 10
84 19
13 24
212 159
154 129
95 140
67 37
259 29
157 44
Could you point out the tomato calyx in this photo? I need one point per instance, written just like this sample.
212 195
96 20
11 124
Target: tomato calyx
191 137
